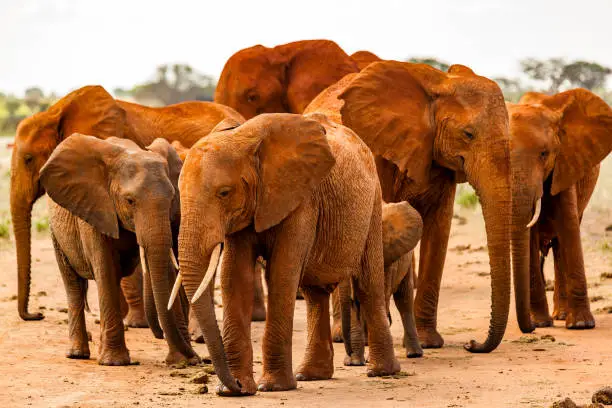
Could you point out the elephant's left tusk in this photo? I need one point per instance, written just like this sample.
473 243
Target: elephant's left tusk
174 261
175 289
210 273
143 261
536 215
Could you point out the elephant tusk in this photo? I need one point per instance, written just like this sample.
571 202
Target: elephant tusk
210 273
174 261
536 215
143 262
175 289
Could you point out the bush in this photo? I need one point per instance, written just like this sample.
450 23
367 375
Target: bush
467 199
4 228
42 224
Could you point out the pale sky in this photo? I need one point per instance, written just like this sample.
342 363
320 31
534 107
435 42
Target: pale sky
61 45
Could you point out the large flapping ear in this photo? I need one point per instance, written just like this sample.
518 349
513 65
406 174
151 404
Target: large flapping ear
462 70
76 178
294 157
585 133
388 105
364 58
89 110
402 227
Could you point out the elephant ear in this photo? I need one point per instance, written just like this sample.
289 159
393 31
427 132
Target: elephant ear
294 157
170 155
76 177
388 105
89 110
532 97
585 133
226 124
402 227
364 58
462 70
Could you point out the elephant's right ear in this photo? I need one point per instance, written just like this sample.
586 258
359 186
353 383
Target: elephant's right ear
388 105
402 227
226 124
76 178
89 110
585 133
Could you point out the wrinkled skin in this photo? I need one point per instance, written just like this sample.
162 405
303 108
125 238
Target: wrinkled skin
111 202
557 144
91 110
429 131
402 227
278 187
281 79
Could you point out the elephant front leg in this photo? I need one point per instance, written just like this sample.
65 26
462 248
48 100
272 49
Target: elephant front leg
540 315
132 288
436 231
318 363
560 289
579 315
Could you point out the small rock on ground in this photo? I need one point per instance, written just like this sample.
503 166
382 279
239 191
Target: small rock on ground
603 395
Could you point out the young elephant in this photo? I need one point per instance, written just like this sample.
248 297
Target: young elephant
402 227
557 144
113 205
310 204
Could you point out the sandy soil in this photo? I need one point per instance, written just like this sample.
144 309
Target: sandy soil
524 371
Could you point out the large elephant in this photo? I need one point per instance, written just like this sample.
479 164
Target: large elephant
430 130
557 143
281 79
401 230
113 205
303 193
90 110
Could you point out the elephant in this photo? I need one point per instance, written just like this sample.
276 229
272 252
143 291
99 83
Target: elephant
281 79
364 58
113 205
303 193
557 143
430 130
401 230
93 111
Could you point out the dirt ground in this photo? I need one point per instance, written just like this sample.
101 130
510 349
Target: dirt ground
526 371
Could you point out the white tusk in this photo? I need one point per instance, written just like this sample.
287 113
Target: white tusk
536 215
175 289
143 261
210 273
174 261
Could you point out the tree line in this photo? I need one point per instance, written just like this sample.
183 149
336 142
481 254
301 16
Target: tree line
174 83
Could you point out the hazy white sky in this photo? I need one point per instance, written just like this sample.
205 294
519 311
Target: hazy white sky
63 44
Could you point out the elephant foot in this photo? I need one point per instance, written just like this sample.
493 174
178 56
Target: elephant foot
379 369
580 319
118 357
319 368
259 313
413 347
176 357
541 320
136 318
430 338
247 387
78 352
354 360
277 382
337 331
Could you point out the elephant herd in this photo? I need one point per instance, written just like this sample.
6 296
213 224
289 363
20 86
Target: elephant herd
325 170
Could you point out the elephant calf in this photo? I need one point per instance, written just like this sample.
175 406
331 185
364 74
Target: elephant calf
303 193
402 227
113 205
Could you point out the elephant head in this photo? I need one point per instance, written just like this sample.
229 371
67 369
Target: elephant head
281 79
113 184
364 58
555 141
402 227
88 110
420 118
252 176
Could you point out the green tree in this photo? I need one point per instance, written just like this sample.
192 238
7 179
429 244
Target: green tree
33 98
585 74
434 62
557 74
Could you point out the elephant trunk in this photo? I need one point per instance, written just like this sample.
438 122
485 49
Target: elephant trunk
22 198
194 258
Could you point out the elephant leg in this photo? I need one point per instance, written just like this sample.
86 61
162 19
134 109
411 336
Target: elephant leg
355 354
318 363
149 305
131 286
540 315
259 306
579 315
337 316
560 292
436 231
404 300
76 292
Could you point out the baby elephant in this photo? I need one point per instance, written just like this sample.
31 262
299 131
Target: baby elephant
112 206
402 228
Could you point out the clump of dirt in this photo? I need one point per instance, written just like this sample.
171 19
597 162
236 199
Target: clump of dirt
606 275
605 309
548 337
201 390
566 403
526 339
596 298
550 285
41 293
199 378
401 374
179 373
603 396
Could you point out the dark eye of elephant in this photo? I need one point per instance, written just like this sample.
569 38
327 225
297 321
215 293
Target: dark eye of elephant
252 98
469 135
224 192
130 200
544 154
28 158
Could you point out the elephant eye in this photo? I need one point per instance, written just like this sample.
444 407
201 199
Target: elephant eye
224 192
130 201
252 98
544 154
28 158
468 134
